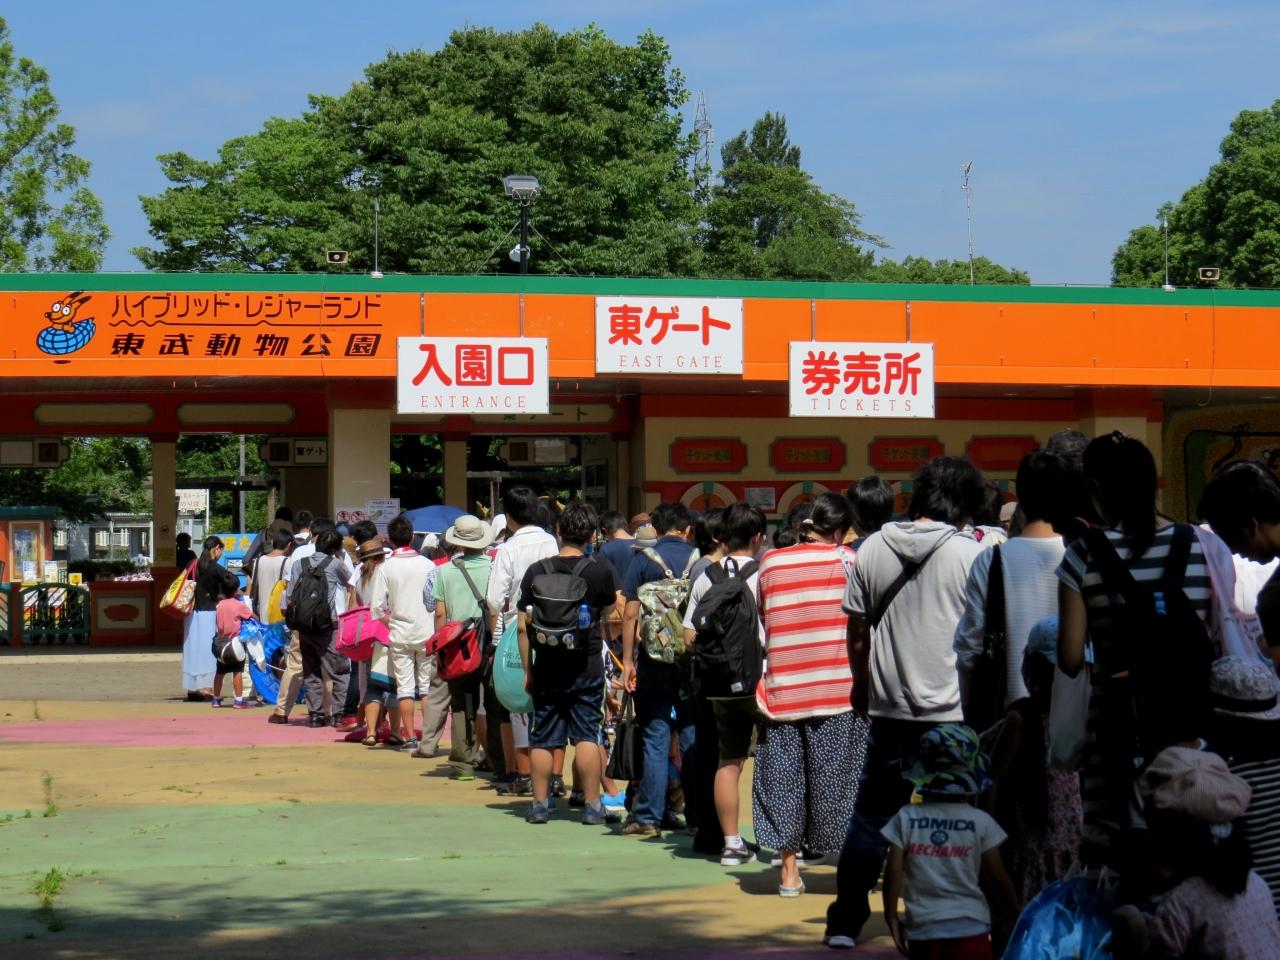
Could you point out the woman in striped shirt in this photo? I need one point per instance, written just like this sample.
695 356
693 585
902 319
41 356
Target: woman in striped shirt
812 747
1121 475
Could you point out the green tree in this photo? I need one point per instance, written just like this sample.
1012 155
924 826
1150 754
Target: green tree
49 218
923 270
215 456
767 219
430 136
100 475
1230 220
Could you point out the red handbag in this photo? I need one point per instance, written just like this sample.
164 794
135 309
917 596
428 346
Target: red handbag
458 648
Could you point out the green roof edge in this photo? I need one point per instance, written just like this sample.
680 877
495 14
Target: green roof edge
638 286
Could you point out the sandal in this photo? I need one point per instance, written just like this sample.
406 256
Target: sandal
395 740
370 741
790 892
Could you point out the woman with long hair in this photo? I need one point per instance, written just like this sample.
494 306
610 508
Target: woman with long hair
812 746
200 627
1142 553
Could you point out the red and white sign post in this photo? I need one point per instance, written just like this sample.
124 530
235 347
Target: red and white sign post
883 380
673 335
467 376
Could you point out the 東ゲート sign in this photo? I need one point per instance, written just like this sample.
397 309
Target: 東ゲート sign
444 375
671 335
861 380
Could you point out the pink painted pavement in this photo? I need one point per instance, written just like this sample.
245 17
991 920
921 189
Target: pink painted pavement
209 728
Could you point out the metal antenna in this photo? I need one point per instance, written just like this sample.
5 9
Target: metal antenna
706 137
968 214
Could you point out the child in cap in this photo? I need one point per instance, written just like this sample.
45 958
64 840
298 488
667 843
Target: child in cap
1220 909
940 849
229 614
1037 806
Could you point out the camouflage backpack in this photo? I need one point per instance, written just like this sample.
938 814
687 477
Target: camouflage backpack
662 606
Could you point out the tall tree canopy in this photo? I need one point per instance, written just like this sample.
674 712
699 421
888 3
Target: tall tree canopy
1229 220
767 218
49 218
430 136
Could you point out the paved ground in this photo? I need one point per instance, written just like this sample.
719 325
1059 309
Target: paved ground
188 832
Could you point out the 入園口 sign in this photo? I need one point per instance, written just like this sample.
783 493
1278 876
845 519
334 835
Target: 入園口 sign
671 335
448 375
881 380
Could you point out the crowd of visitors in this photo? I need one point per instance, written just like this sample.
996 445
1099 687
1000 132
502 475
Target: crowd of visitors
973 695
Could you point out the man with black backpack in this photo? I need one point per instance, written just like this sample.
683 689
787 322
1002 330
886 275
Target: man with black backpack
563 600
722 623
317 595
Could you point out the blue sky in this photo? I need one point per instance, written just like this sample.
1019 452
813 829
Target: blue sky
1081 119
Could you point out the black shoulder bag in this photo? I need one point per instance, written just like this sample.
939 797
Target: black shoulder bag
988 681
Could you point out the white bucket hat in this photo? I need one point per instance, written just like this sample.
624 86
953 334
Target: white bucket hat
469 533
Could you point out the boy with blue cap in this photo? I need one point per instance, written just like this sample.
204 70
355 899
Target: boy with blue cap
940 848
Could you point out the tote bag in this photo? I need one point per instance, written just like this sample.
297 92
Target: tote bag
180 599
626 758
508 672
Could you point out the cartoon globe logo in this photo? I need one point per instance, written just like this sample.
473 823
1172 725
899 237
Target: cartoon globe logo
67 332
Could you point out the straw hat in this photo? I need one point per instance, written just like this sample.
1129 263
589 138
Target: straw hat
1195 783
1244 688
371 550
469 533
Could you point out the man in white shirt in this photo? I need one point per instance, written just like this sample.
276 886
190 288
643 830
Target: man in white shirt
399 587
1029 564
527 544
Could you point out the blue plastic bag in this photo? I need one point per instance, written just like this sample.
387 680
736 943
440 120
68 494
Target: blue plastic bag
508 672
274 638
1067 919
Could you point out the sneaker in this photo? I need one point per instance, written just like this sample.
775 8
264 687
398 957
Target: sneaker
594 816
346 723
462 777
804 858
557 785
317 720
278 718
409 746
538 813
673 821
421 752
736 856
216 702
241 705
644 830
615 806
577 799
518 787
839 942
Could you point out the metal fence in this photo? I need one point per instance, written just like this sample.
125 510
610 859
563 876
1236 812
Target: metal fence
51 613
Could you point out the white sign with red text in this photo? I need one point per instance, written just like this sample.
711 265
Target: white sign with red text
447 375
884 380
670 335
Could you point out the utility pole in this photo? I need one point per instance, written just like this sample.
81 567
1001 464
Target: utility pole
524 237
240 515
968 215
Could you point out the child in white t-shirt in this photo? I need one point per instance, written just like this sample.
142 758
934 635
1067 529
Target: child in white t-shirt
939 850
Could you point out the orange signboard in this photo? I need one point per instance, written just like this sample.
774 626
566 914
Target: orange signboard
150 333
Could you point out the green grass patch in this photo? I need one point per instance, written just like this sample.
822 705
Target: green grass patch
50 808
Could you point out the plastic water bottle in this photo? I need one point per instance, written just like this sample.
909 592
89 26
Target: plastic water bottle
584 616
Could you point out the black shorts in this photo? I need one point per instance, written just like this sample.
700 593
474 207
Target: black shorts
736 720
222 669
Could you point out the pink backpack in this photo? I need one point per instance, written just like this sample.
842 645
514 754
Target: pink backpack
358 629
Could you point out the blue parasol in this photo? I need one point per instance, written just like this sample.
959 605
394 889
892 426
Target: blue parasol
436 518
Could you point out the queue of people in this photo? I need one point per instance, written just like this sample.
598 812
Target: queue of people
975 701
